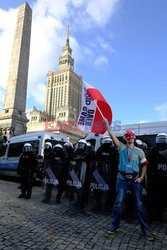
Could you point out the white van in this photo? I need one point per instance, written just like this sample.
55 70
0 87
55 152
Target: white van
9 155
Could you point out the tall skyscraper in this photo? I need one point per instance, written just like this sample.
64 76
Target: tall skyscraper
64 88
13 114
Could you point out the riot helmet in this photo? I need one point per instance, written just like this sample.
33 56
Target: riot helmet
27 147
161 138
106 140
81 144
47 147
58 148
139 143
89 144
68 145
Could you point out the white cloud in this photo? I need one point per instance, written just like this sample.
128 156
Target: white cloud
100 12
92 13
105 45
87 51
38 93
101 60
162 110
98 51
50 19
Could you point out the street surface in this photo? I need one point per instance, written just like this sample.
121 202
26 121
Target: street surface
31 224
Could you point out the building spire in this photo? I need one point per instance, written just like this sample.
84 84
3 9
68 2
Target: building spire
66 60
68 35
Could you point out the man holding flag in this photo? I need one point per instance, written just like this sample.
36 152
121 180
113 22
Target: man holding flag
131 172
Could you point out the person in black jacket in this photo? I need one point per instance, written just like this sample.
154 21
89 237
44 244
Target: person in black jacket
157 177
82 159
69 155
141 144
69 151
26 168
60 165
54 168
48 157
104 176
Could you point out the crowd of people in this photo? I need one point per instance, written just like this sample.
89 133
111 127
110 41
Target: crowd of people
108 175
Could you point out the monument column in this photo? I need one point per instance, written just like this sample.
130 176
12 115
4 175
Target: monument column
13 114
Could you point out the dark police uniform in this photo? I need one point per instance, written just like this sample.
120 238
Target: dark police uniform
26 168
157 180
103 179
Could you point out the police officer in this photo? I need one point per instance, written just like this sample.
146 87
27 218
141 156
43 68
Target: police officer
157 176
26 168
91 152
83 164
69 155
104 176
60 164
48 158
141 144
69 150
47 150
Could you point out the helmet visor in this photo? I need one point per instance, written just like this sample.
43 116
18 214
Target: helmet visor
27 149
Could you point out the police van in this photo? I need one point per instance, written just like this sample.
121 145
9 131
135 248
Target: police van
12 149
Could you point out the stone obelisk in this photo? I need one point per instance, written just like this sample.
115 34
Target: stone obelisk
13 117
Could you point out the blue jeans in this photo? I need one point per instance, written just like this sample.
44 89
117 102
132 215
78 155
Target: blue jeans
121 188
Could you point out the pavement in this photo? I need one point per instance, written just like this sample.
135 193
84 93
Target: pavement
31 224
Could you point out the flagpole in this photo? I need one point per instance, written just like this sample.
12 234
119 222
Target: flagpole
99 109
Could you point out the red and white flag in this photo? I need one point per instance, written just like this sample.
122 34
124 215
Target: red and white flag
93 107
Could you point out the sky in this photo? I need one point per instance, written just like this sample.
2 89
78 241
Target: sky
119 47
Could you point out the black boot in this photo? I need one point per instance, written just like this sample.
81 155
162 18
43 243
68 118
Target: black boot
28 196
46 200
58 199
21 196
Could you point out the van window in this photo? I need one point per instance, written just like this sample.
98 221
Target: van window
15 149
2 149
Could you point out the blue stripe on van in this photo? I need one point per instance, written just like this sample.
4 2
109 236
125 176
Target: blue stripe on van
8 165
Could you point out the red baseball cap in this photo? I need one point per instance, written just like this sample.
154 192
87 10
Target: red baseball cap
130 134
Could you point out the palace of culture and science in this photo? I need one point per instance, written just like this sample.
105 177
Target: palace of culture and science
62 98
64 87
